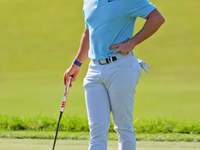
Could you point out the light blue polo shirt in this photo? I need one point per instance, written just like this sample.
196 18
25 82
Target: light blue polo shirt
111 22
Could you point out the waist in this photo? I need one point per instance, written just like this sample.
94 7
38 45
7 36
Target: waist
112 58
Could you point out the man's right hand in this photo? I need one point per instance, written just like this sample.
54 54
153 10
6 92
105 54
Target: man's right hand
72 71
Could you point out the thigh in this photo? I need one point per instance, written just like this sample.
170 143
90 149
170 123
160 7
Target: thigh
122 90
122 108
97 104
97 100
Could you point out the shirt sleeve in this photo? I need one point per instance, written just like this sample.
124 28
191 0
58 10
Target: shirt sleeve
139 8
86 25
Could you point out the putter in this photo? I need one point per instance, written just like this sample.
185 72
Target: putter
62 108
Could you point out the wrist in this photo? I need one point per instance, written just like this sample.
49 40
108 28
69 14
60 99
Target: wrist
132 43
77 63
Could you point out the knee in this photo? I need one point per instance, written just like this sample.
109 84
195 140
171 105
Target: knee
124 130
127 132
98 131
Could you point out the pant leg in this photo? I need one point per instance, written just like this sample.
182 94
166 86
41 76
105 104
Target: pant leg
121 86
122 109
98 109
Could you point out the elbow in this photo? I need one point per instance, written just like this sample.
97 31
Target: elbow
161 20
156 17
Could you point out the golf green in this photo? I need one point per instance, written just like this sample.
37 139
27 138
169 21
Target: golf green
24 144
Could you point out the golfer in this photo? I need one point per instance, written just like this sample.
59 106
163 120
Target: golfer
114 70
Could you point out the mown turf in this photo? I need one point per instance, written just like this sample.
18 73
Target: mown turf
38 42
10 144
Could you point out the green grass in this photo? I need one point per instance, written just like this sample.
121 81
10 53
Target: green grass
170 137
38 42
77 124
10 144
76 128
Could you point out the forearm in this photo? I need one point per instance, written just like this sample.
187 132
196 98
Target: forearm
84 47
81 56
153 23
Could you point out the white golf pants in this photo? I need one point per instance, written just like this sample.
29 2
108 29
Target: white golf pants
111 88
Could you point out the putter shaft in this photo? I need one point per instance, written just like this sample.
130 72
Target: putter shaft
57 130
